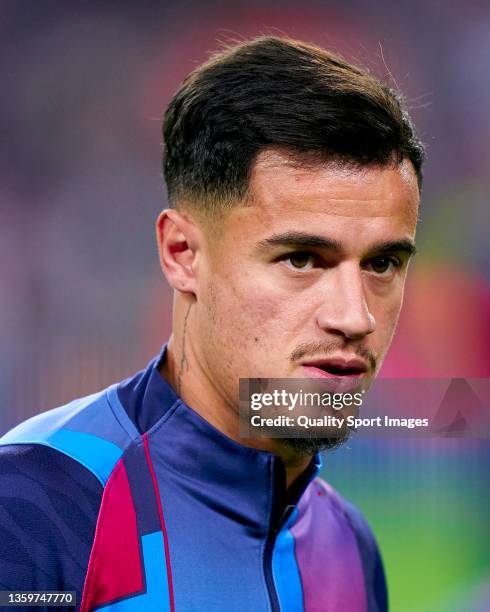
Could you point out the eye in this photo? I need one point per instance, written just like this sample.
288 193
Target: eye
384 265
300 261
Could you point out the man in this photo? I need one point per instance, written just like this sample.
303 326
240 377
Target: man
294 183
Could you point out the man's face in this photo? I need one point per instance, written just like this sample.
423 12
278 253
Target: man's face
306 279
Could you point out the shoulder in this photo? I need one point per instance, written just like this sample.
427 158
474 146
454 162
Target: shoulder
53 471
49 505
352 514
367 546
38 483
94 431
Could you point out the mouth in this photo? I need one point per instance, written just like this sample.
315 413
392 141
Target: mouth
335 368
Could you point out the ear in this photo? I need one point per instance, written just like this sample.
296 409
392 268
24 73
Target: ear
179 241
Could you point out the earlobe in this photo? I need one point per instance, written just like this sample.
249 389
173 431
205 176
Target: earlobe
178 247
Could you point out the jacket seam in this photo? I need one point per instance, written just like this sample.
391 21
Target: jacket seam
88 583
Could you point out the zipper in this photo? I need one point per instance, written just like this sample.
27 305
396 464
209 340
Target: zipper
279 516
269 579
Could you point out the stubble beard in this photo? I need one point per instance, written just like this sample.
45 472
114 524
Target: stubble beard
306 447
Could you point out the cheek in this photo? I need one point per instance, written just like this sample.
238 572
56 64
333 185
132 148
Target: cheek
248 322
245 312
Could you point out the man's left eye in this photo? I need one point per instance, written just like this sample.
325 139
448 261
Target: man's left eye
383 265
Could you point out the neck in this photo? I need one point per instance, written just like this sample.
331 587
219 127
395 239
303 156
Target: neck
181 369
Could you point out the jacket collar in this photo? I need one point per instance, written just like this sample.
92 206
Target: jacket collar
227 474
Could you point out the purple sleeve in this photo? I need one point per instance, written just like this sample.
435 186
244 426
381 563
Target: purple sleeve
49 505
376 591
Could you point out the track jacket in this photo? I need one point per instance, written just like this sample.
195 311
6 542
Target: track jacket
132 500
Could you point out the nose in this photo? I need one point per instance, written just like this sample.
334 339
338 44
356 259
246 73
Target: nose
344 310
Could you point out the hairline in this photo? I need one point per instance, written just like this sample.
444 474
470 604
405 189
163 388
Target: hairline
210 209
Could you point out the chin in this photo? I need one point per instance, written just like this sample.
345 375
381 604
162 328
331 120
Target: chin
306 447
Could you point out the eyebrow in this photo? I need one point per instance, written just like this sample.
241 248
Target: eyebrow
300 239
406 246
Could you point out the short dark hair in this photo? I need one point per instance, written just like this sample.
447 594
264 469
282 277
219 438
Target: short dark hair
274 92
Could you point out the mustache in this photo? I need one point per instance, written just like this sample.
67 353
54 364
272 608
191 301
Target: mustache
325 348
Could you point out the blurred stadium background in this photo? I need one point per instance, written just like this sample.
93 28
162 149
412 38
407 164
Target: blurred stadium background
82 300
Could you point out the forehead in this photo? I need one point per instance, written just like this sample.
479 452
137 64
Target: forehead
279 185
356 207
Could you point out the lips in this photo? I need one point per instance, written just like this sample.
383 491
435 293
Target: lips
335 368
